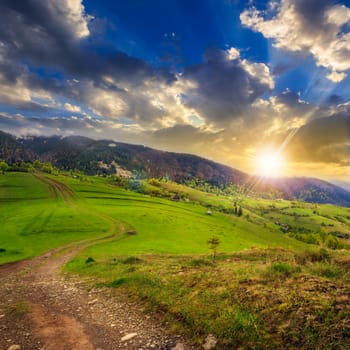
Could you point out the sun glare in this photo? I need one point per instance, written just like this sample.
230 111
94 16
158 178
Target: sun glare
269 163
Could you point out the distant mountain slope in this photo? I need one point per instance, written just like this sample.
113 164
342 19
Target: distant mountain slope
343 184
105 156
102 156
12 150
312 190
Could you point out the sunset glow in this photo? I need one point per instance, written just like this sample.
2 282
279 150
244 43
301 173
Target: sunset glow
269 163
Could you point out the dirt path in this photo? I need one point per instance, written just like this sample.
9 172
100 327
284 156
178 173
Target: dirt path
40 308
57 189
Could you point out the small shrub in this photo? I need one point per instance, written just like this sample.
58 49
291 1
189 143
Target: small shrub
131 260
329 271
116 283
281 269
199 263
321 255
2 250
154 182
307 238
89 260
333 243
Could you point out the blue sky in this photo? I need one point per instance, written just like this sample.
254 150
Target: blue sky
228 78
151 29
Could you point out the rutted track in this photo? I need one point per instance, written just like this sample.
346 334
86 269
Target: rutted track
57 189
41 309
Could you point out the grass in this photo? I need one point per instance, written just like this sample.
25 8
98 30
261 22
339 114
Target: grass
34 221
266 290
254 299
17 309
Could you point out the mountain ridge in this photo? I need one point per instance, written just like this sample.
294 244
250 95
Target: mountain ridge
108 157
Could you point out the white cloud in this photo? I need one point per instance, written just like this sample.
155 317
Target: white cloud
19 94
259 71
72 108
72 13
233 53
307 28
336 77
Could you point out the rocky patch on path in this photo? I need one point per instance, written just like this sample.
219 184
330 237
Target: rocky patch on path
41 309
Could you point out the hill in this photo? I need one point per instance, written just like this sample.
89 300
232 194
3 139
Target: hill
110 157
342 184
263 287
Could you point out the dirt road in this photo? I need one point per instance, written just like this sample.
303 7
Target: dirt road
40 308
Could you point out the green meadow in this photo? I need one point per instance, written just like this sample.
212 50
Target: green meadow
265 285
35 219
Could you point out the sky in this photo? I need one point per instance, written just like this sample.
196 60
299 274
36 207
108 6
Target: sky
232 81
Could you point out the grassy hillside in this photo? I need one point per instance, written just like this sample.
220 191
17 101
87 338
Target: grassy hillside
97 157
34 218
266 289
37 216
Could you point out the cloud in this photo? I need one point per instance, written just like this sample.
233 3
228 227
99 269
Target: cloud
317 27
72 108
224 85
42 31
189 136
222 108
17 93
54 35
323 140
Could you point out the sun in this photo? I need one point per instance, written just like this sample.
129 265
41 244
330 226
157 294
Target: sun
269 163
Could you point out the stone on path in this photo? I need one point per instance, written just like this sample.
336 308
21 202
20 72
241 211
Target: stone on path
178 346
210 342
14 347
129 336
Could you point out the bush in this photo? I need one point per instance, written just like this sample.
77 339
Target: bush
154 182
330 272
131 260
333 243
89 260
307 238
282 270
116 283
313 256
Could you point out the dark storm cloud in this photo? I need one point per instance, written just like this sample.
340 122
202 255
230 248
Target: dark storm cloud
225 87
55 34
